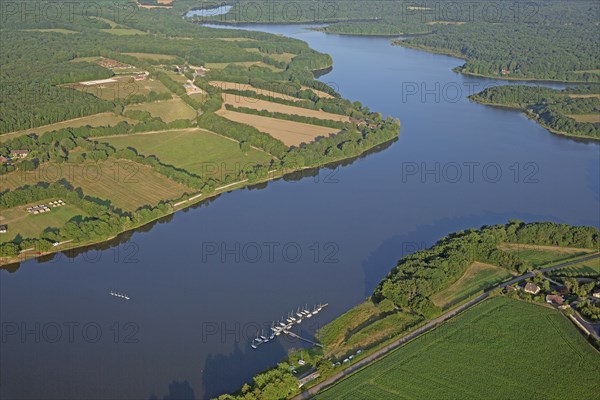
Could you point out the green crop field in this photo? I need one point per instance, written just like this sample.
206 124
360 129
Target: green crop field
501 348
168 110
197 151
478 277
538 258
27 225
589 268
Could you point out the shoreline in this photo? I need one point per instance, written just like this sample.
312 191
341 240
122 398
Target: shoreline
459 69
534 117
193 200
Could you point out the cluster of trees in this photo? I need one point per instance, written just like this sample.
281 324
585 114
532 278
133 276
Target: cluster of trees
551 107
589 309
276 383
419 276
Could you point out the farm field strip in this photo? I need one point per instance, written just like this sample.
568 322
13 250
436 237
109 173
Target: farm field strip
94 120
509 342
121 88
195 150
167 110
256 104
244 86
28 225
127 184
592 118
289 132
585 268
477 277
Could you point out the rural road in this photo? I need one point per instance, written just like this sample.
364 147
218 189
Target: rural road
428 326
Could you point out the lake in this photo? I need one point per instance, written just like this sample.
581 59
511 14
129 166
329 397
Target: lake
204 281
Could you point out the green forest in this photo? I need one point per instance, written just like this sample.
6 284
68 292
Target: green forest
556 110
544 40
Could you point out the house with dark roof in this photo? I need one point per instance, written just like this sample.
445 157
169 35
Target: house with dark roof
3 228
555 299
531 288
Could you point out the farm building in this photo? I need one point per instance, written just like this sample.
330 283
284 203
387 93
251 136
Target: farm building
3 228
4 160
201 72
532 288
19 153
596 295
192 89
140 77
555 299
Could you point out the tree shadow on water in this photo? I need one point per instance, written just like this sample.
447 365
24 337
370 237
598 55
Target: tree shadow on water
178 391
385 257
224 373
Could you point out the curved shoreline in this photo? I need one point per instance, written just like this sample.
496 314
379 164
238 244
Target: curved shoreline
194 200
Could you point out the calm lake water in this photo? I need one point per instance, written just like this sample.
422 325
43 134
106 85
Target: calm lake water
197 301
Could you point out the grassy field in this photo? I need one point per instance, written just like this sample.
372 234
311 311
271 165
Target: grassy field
123 31
381 330
289 132
590 268
478 277
322 95
27 225
169 110
150 56
541 255
243 64
102 119
285 57
501 348
334 333
592 118
197 151
256 104
127 184
122 88
55 30
277 91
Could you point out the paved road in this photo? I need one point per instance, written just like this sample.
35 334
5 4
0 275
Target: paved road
428 326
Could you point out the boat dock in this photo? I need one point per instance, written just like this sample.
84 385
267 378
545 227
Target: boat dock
286 323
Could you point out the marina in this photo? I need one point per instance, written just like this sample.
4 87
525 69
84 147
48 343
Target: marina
284 325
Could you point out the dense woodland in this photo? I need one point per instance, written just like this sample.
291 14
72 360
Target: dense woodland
35 63
548 39
552 108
